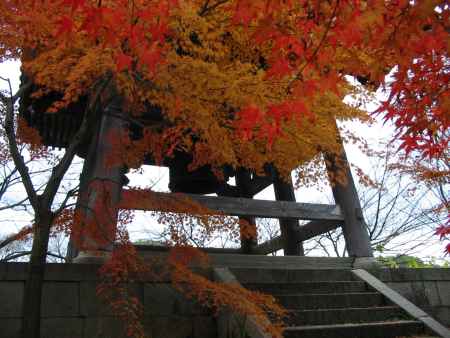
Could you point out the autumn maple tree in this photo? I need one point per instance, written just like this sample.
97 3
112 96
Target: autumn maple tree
240 83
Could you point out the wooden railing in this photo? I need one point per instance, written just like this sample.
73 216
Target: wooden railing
323 217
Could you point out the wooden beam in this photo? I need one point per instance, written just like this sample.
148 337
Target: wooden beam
163 248
315 228
269 246
139 200
302 233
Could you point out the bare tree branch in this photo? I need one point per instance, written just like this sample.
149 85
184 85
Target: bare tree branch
11 136
59 171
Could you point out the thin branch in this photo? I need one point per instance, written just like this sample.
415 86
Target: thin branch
14 205
10 239
64 204
18 254
205 9
11 136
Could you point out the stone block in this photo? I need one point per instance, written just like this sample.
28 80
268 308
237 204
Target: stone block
420 297
62 328
444 292
10 327
3 271
442 314
60 299
405 275
15 271
11 298
438 274
403 288
431 292
382 274
170 327
205 327
92 304
161 299
104 327
276 275
71 272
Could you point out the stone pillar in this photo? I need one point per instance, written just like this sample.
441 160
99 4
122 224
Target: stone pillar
243 181
101 186
284 191
346 196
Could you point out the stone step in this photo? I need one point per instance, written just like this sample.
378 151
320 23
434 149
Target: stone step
280 262
249 275
331 301
401 328
346 315
309 287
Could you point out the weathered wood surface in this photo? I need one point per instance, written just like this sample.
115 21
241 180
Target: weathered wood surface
345 194
137 200
248 232
284 191
301 233
142 248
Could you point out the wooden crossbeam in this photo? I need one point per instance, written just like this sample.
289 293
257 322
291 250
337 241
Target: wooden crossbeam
302 233
162 248
133 199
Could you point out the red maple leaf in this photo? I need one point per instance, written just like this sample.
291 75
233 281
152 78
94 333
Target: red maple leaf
66 26
279 68
151 58
75 4
123 62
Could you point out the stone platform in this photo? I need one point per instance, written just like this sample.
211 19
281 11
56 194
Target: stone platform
70 308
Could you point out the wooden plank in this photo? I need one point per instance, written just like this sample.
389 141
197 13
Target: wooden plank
270 246
315 228
302 233
140 248
157 201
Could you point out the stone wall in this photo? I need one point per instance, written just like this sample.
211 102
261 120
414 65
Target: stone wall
429 289
71 308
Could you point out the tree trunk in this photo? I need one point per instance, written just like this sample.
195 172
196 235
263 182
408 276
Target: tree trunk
33 287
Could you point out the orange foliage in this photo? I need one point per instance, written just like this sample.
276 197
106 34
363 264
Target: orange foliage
220 296
238 82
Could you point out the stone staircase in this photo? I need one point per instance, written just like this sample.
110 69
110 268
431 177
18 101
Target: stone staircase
330 303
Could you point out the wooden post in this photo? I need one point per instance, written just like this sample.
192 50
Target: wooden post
346 196
101 187
284 191
72 246
243 182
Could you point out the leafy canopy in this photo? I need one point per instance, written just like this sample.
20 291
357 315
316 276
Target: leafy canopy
235 75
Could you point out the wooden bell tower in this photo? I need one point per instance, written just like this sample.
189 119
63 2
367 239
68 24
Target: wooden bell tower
102 182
